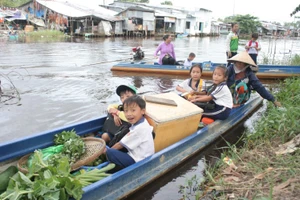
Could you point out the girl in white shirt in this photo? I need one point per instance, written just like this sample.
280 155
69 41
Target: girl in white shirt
219 94
193 84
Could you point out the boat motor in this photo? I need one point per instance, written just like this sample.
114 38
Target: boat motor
138 53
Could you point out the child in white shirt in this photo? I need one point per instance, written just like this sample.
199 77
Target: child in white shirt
194 84
188 62
139 141
219 94
253 47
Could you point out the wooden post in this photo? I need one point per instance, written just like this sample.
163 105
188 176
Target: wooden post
92 26
71 26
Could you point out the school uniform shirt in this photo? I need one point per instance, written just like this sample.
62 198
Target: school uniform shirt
187 63
252 44
222 95
232 42
187 85
139 141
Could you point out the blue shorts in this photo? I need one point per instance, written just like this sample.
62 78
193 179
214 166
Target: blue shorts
119 158
219 112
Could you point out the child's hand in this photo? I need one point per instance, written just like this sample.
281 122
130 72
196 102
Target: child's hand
117 120
113 110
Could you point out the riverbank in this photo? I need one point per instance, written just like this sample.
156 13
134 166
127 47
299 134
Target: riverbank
265 167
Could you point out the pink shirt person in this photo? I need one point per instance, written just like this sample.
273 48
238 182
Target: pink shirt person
165 48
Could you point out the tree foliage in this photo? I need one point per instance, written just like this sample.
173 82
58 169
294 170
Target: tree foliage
167 3
13 3
248 24
297 9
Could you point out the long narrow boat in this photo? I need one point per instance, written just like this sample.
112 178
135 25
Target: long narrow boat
265 71
130 179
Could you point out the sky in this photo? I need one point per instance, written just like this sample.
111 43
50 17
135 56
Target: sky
268 10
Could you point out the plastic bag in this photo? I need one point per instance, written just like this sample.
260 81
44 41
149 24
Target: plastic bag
47 153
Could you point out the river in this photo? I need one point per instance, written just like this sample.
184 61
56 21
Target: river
59 85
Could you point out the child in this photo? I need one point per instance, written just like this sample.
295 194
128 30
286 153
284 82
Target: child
138 141
219 94
193 84
116 118
188 61
253 47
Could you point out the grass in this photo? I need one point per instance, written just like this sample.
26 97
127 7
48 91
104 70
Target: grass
260 173
46 34
286 60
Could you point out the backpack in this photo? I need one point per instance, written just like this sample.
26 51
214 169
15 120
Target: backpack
109 125
250 44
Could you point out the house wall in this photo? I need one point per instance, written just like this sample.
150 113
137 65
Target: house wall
193 26
203 17
118 28
148 20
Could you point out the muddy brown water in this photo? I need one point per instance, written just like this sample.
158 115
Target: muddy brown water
60 84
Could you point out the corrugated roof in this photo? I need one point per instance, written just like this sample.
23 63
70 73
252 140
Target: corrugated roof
71 9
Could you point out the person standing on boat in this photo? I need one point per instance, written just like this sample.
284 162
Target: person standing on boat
241 80
232 41
253 47
167 53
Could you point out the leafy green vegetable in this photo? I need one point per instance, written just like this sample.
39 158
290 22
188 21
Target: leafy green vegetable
44 182
74 146
87 178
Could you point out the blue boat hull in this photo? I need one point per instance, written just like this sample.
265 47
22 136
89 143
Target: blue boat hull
132 178
265 71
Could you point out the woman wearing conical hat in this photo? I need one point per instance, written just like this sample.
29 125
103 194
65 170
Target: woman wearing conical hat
242 79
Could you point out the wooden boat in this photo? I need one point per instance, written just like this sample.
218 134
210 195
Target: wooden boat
130 179
265 71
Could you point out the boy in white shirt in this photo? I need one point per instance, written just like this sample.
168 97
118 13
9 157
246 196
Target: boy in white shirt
253 47
188 62
139 141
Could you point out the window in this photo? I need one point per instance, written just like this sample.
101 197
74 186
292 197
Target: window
187 25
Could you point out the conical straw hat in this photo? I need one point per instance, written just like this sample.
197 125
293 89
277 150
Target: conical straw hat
244 58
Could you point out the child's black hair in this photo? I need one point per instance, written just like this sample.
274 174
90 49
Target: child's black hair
192 55
224 68
135 100
166 37
196 65
127 90
255 35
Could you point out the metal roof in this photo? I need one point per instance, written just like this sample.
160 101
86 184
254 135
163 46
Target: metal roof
72 9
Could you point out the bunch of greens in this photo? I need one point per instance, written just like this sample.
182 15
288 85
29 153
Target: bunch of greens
73 149
88 177
44 181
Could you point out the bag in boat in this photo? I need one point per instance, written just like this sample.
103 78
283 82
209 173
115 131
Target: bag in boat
109 125
205 105
123 130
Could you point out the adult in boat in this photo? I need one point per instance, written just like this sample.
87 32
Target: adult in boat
167 53
241 80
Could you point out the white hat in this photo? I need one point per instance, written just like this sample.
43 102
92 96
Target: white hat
244 58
